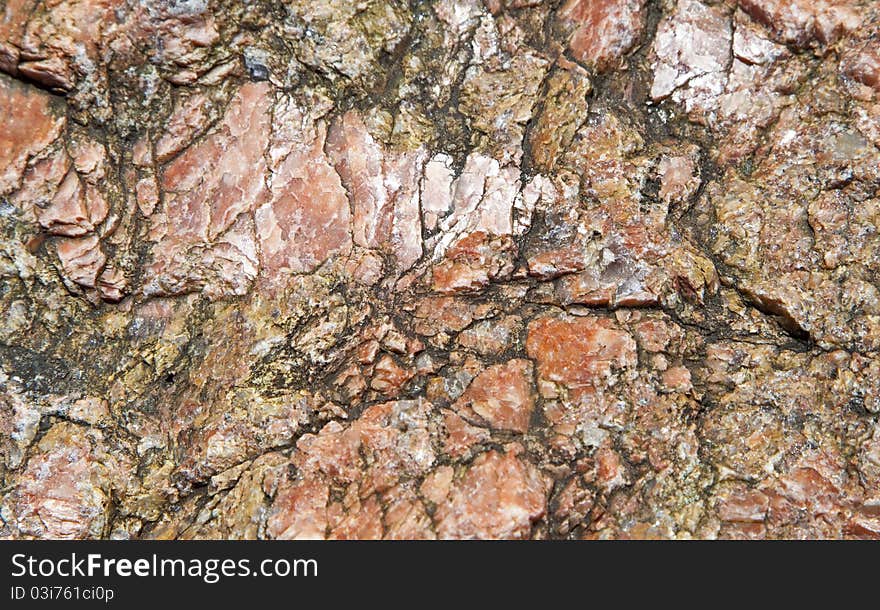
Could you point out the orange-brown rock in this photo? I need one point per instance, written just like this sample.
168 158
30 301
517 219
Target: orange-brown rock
68 487
498 496
579 352
501 396
28 124
604 30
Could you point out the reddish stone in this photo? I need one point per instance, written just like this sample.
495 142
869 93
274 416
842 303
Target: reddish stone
610 471
176 37
358 160
203 208
742 531
13 20
498 496
437 190
112 284
67 488
89 158
501 396
393 439
654 335
356 519
452 247
605 30
573 505
28 124
808 488
307 220
472 262
677 379
864 67
91 410
677 179
863 528
579 351
405 516
299 512
554 263
388 376
743 505
147 194
81 259
402 177
383 189
205 204
483 200
75 210
187 120
57 45
443 314
693 49
437 484
461 437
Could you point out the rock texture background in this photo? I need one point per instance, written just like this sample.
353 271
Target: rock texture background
461 268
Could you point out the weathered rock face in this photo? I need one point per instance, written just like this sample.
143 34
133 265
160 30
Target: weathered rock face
31 121
604 30
440 269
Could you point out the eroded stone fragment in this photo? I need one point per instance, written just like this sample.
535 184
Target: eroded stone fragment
29 122
579 352
604 30
67 488
693 51
501 396
800 22
497 496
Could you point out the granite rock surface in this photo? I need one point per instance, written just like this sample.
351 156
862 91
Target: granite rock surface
439 269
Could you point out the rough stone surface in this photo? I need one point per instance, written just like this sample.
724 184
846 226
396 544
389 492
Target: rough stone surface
439 269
